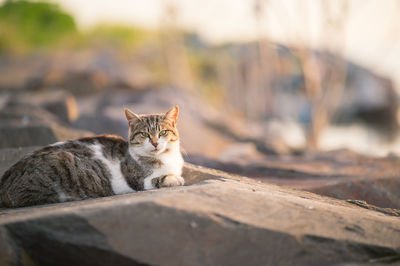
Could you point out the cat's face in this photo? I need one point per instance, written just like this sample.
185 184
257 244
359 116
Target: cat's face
154 134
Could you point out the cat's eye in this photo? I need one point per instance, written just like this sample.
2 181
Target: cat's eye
145 135
163 133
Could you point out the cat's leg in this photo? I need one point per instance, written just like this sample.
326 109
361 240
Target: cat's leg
168 181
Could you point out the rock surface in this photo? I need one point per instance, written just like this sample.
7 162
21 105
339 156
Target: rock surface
24 125
219 220
340 174
61 103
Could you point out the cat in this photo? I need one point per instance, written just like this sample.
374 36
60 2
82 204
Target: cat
99 166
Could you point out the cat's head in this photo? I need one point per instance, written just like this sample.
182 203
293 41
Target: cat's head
153 134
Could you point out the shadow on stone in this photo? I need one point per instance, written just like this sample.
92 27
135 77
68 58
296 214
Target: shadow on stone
63 240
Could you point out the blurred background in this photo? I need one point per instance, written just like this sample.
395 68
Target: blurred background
310 87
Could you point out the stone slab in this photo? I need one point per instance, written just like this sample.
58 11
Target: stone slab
218 220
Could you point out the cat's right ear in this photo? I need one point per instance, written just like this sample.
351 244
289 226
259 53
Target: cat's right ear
130 116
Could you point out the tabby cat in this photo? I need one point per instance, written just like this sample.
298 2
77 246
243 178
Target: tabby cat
99 166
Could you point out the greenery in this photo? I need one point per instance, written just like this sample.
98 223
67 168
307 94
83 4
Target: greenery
121 36
31 25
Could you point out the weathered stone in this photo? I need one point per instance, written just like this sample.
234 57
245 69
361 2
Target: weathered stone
382 191
59 103
20 136
341 174
222 220
24 125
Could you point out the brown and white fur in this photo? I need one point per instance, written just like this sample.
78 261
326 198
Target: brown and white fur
99 166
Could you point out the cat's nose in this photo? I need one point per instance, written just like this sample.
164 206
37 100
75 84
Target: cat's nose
155 144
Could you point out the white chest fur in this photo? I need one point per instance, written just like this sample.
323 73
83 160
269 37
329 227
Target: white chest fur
172 164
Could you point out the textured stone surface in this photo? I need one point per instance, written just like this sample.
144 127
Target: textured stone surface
25 125
340 174
220 220
58 102
17 136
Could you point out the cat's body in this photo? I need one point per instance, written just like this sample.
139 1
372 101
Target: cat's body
98 166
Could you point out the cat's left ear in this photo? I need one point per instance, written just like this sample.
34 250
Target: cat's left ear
130 115
172 115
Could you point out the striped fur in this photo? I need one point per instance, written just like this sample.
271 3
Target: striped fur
98 166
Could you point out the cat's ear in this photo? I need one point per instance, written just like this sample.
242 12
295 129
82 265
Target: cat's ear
130 115
172 115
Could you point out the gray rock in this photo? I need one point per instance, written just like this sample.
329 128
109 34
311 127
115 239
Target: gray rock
220 219
60 103
20 136
339 174
25 125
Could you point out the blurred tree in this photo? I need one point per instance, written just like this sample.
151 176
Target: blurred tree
177 64
324 79
123 37
265 64
329 77
30 25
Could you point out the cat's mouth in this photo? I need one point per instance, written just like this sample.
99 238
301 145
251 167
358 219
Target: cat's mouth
156 151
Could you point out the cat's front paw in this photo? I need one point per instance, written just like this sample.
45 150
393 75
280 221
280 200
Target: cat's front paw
172 181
